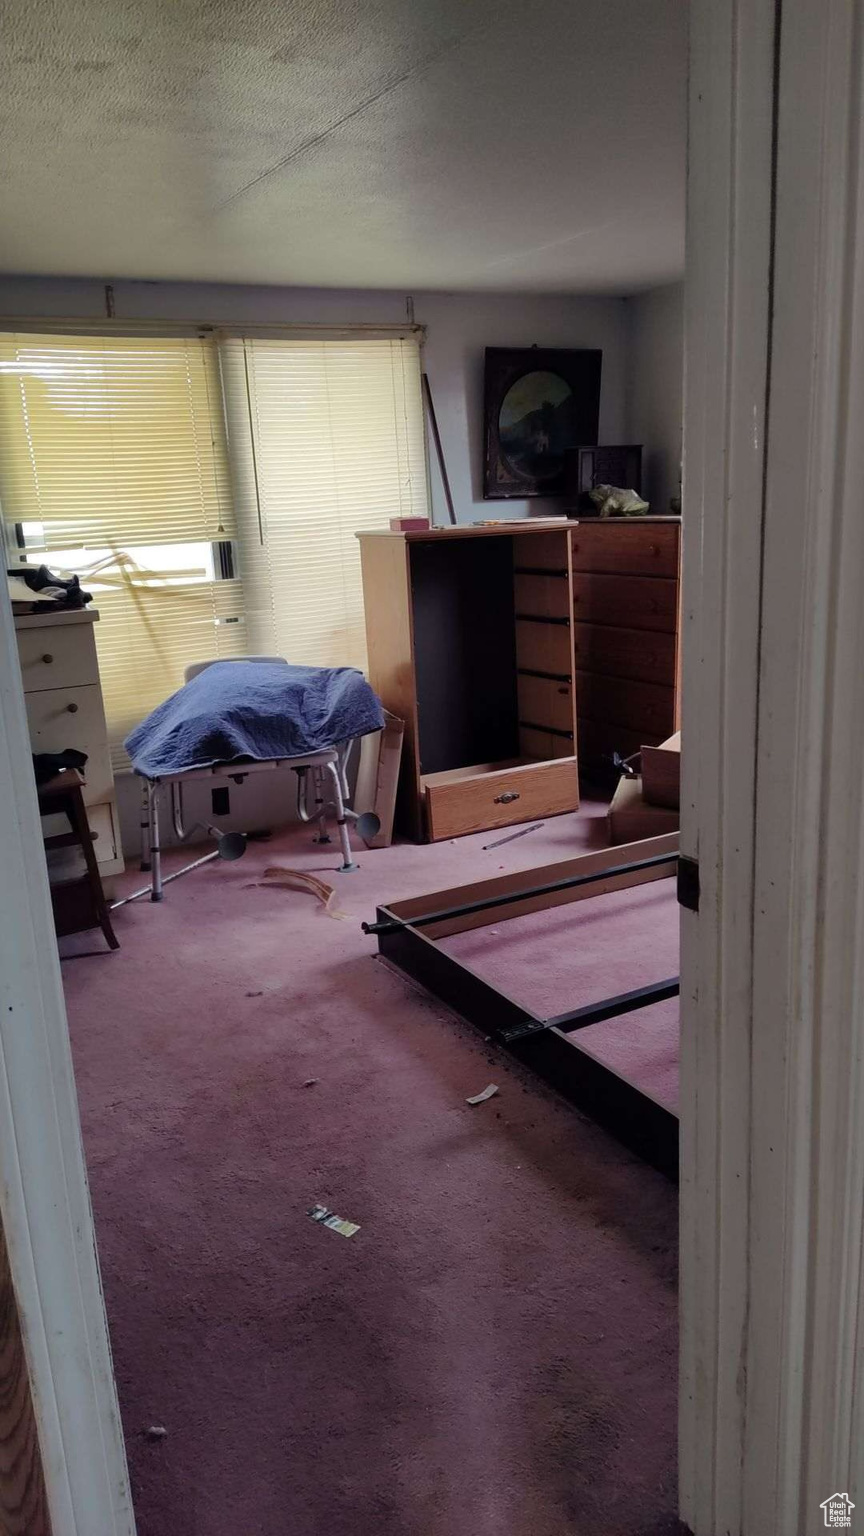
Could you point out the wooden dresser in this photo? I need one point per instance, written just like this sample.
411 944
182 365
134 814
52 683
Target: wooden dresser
60 674
503 647
625 635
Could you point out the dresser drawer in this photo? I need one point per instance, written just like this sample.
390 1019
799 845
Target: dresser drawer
648 656
648 707
618 546
597 740
543 647
481 801
63 862
73 717
544 701
100 819
541 745
542 551
628 602
545 597
58 656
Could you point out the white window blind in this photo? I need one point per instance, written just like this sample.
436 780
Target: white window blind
113 454
114 460
108 441
326 437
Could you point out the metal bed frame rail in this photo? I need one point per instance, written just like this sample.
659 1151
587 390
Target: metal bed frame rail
407 934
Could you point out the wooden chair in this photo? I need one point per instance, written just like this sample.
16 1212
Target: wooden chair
78 903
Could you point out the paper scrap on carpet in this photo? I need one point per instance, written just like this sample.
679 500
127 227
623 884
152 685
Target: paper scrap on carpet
480 1098
335 1223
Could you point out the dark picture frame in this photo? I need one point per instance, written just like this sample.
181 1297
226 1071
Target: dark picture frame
538 402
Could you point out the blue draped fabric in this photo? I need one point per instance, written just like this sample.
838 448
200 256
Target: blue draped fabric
257 710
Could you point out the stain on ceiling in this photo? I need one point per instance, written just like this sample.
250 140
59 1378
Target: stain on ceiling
443 144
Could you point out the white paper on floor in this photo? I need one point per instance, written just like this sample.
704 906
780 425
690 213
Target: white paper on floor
335 1223
480 1098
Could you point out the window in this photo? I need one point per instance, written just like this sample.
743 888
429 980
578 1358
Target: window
113 463
336 444
208 491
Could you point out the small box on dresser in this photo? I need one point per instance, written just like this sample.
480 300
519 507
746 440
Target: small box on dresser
63 696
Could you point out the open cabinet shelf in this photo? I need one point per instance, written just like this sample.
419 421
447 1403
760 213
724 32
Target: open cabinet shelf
484 684
518 654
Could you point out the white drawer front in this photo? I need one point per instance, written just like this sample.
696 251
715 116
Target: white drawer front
58 656
73 717
64 863
101 822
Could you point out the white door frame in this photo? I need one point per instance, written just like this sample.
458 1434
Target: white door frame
729 240
772 1091
772 1367
44 1196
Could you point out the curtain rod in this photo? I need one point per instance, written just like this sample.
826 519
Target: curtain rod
95 326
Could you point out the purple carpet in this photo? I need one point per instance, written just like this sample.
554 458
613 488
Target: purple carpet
494 1352
564 958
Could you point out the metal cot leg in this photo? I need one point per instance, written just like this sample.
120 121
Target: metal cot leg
144 866
155 848
322 835
347 861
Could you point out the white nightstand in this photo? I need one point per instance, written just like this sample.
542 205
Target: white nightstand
60 672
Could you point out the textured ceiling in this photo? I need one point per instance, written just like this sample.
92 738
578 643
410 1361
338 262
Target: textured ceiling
456 144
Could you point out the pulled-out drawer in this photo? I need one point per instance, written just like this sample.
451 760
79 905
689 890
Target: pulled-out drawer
646 549
57 656
628 602
478 799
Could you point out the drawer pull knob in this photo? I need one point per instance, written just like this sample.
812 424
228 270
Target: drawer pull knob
72 709
653 550
564 690
507 798
47 658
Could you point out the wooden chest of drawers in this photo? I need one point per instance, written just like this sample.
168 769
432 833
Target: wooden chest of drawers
625 577
519 656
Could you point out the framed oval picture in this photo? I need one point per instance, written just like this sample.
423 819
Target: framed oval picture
539 401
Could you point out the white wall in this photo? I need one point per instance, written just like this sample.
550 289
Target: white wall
655 383
459 327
